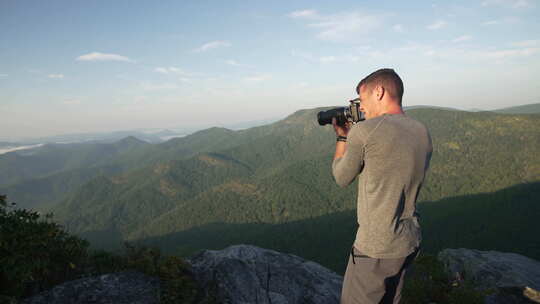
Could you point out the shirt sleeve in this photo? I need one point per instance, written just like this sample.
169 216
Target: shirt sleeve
346 168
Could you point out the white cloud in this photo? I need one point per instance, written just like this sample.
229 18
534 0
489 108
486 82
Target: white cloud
340 26
511 53
161 70
458 53
437 25
325 59
235 63
257 78
159 86
508 3
398 28
170 70
462 38
304 55
3 75
212 45
96 56
303 14
346 26
505 20
490 22
364 51
232 62
56 76
526 43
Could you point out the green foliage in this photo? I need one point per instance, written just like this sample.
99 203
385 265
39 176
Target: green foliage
34 253
281 173
272 186
53 158
176 279
504 220
428 283
524 109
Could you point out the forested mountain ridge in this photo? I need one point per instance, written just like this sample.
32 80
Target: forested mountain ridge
54 158
280 173
523 109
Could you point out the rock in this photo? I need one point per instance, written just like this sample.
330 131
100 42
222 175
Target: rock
244 274
129 287
513 277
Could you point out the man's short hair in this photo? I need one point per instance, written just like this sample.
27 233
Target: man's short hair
388 79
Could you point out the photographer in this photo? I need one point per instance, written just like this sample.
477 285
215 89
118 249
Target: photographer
390 154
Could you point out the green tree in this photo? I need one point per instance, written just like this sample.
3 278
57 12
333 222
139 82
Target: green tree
35 253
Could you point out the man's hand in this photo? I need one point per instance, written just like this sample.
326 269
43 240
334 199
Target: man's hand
341 146
340 130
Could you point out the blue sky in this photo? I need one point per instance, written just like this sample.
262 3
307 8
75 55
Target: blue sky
85 66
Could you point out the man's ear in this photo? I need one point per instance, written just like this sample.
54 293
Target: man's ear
379 91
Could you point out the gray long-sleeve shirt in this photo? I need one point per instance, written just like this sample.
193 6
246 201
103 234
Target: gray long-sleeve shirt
390 154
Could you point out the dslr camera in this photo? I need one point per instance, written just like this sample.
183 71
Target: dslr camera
342 114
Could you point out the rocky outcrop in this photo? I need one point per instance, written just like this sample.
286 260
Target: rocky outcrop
513 278
244 274
127 287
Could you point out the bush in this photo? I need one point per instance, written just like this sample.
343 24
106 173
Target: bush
428 283
35 254
176 278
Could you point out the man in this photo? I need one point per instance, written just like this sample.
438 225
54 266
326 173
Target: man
390 153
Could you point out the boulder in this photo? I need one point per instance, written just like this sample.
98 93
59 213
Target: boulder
244 274
128 287
513 278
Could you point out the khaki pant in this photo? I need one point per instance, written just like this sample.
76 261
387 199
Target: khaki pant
374 281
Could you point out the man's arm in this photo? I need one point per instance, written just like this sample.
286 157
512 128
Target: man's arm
348 157
341 147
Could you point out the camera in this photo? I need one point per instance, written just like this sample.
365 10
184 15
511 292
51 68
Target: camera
342 114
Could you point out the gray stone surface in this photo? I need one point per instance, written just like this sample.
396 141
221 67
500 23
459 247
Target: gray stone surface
127 287
515 278
244 274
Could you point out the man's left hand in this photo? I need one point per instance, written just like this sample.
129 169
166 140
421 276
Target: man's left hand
341 130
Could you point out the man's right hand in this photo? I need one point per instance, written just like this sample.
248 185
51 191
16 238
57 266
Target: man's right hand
340 130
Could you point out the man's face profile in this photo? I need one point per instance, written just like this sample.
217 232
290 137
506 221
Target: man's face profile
366 102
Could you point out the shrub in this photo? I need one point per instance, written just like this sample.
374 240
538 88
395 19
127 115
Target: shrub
428 283
35 253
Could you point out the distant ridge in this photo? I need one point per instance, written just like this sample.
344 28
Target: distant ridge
430 107
523 109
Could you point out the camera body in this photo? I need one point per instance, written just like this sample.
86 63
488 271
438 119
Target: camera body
343 115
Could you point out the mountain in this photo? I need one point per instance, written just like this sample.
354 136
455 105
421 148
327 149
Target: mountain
272 186
108 137
429 107
524 109
43 175
245 182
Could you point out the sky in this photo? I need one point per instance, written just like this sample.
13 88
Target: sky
95 66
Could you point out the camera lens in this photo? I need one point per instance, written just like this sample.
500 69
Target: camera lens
325 117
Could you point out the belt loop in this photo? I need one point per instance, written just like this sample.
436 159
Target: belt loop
352 254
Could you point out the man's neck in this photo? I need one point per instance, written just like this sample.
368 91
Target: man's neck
393 110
